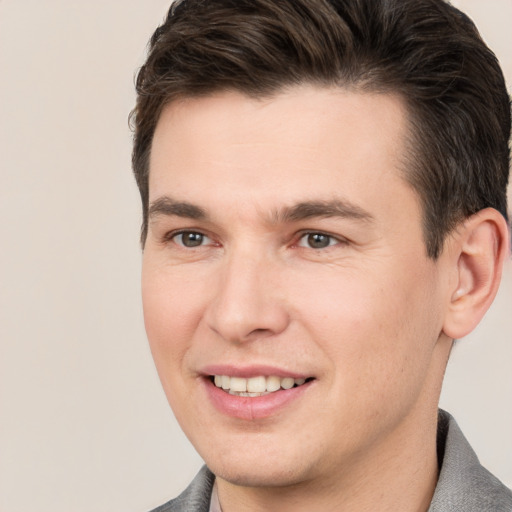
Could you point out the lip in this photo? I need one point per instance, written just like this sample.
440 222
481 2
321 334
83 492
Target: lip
251 408
250 371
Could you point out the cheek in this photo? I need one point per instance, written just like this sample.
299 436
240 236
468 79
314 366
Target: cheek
339 307
374 327
171 313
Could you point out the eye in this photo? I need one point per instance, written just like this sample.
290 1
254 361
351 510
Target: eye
317 240
190 239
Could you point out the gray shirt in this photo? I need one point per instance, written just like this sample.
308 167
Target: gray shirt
464 485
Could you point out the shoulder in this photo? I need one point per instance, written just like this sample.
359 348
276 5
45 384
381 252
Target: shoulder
195 498
464 484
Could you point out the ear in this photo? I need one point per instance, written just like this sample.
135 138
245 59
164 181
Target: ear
478 252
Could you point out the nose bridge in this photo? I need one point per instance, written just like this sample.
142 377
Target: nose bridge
246 304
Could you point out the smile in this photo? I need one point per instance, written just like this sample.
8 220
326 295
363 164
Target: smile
254 393
255 386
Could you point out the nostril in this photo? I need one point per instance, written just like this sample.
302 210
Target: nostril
259 332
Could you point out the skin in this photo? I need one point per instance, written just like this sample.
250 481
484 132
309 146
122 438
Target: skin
369 315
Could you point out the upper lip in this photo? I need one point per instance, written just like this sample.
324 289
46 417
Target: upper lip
251 371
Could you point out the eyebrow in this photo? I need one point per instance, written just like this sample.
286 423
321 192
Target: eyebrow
169 207
304 210
333 208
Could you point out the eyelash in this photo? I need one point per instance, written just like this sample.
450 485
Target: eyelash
331 239
171 237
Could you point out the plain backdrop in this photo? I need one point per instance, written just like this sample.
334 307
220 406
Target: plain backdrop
84 425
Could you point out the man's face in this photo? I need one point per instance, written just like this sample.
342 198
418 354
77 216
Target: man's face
285 248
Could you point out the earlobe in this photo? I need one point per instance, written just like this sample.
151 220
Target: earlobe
481 246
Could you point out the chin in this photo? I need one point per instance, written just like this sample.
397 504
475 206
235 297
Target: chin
258 469
255 476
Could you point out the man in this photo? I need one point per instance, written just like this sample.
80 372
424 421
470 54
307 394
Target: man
324 197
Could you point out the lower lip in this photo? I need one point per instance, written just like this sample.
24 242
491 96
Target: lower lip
252 408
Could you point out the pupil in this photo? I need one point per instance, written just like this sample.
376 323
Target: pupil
192 239
318 241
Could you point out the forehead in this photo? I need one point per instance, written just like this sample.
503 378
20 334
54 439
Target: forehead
302 144
304 113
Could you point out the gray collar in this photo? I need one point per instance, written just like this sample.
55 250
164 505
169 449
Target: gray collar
464 485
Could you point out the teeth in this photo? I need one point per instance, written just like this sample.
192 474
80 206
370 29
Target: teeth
273 384
238 384
255 386
287 383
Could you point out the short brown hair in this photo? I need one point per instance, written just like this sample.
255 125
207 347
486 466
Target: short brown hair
424 50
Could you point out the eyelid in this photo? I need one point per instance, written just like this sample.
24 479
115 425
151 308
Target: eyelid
171 236
340 240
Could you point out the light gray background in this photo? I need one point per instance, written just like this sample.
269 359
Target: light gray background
84 426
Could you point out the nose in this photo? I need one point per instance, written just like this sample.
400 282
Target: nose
248 303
